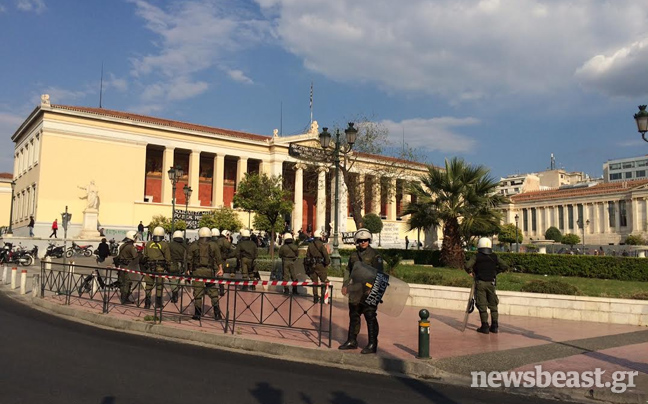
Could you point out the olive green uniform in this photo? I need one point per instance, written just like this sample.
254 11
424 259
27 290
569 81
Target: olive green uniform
246 254
157 257
485 268
289 252
127 253
319 260
178 265
204 259
370 257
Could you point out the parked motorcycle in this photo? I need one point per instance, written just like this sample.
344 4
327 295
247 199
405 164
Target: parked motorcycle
54 250
85 250
113 246
17 255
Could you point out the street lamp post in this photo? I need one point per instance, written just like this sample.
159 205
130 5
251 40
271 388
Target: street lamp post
10 230
174 175
641 118
187 191
580 223
325 141
517 244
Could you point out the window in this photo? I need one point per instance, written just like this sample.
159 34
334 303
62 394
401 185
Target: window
616 176
616 166
642 163
561 218
611 213
640 173
622 213
628 164
580 214
628 174
533 219
525 216
570 217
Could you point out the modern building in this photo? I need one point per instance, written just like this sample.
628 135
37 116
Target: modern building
631 168
112 165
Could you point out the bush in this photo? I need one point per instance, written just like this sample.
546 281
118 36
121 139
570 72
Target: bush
554 234
570 239
635 240
552 287
373 223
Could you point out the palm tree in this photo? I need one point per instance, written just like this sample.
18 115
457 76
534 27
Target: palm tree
462 197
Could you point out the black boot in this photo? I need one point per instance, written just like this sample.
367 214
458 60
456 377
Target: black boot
494 328
372 330
174 296
316 299
483 329
217 313
295 291
351 343
221 290
197 313
158 301
124 299
147 302
286 290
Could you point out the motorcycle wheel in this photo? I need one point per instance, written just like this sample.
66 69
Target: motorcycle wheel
26 260
87 253
69 253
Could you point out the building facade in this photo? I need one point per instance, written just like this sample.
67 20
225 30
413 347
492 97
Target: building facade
60 151
632 168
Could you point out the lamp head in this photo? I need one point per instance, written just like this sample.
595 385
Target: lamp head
351 134
325 138
642 119
187 191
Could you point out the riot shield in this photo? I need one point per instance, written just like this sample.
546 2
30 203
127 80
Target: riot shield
388 293
470 307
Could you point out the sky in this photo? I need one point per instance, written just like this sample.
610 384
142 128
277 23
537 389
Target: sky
501 83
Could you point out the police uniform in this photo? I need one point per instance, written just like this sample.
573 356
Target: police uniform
157 257
319 260
205 260
246 254
370 257
289 252
178 265
485 266
127 253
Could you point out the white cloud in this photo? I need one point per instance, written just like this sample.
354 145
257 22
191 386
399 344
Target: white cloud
239 76
176 89
433 134
2 8
460 50
37 6
116 83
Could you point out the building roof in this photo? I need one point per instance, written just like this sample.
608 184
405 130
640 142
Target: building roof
571 192
162 122
6 176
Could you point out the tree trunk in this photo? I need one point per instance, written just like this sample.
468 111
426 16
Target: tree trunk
452 253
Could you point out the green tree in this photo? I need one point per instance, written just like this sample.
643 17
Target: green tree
554 234
507 234
462 197
635 239
264 196
261 222
372 222
224 218
570 239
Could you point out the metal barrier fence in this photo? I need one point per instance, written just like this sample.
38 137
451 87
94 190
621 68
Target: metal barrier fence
240 302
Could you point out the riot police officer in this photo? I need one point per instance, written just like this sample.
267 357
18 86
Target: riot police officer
318 259
157 257
484 267
289 252
204 260
246 254
126 256
364 253
178 250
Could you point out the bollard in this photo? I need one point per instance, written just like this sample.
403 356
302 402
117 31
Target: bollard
14 272
48 263
5 275
36 285
23 282
424 335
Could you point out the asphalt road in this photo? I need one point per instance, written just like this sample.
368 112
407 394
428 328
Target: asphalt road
46 359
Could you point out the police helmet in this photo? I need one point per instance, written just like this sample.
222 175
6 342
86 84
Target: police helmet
317 234
225 233
158 231
288 236
485 245
362 234
178 234
131 235
245 233
204 232
215 232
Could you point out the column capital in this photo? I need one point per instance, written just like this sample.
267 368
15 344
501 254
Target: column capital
300 166
323 169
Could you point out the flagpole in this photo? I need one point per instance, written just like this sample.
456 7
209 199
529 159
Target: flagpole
311 103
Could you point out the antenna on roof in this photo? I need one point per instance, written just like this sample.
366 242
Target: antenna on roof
101 86
311 103
553 162
281 119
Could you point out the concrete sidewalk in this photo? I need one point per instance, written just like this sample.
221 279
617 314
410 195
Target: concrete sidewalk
523 343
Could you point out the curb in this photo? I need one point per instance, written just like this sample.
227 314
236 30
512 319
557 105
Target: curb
418 369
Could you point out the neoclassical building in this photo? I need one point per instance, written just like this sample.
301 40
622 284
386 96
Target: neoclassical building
60 151
610 211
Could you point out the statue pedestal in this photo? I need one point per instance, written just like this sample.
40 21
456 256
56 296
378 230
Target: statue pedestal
89 229
542 245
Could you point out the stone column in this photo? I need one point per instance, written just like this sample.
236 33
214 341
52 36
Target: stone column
565 219
194 177
241 169
218 180
644 225
606 217
617 217
360 192
167 187
376 195
298 209
320 223
554 222
391 205
635 215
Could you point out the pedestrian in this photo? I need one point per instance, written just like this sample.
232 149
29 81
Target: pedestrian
140 231
103 251
203 258
319 261
406 242
601 251
54 229
246 255
127 254
157 257
367 255
289 252
31 226
484 267
177 267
